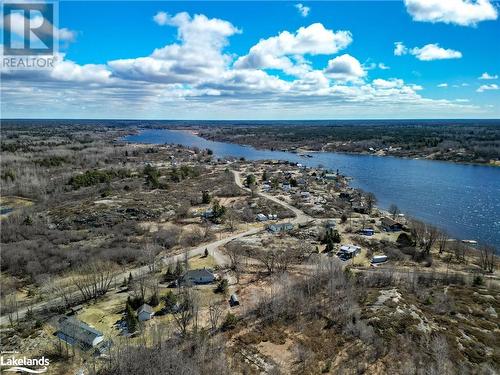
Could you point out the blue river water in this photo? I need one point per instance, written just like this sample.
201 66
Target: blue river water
462 199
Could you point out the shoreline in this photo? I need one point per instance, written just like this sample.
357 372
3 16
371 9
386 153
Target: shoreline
382 211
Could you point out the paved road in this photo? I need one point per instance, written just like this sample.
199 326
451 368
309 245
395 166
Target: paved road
213 249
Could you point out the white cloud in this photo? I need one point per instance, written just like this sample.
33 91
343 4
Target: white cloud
383 66
195 77
285 50
198 55
487 76
161 18
387 84
428 52
345 68
302 9
442 85
400 49
491 87
431 52
459 12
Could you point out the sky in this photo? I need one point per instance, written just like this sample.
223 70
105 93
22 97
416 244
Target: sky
266 60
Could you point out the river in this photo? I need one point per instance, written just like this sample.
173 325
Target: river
462 199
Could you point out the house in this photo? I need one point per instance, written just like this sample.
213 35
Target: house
330 176
390 225
266 187
233 300
77 333
367 232
199 276
261 217
279 228
286 187
349 251
145 312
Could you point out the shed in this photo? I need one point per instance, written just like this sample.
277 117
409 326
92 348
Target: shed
233 300
76 332
145 312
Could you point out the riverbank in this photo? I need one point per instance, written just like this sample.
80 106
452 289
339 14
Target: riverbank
462 199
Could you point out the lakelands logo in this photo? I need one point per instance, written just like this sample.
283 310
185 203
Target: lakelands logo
29 37
24 364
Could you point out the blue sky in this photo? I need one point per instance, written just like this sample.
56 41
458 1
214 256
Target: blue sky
267 60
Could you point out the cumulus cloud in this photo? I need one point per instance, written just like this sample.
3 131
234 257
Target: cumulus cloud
345 68
400 49
486 76
195 75
431 52
459 12
281 51
428 52
302 9
197 56
491 87
442 85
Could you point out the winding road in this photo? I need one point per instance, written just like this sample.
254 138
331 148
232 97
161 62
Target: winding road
212 247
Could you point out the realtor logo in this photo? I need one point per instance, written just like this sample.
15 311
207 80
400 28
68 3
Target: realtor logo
28 29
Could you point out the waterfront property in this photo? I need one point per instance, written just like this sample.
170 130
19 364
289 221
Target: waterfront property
391 225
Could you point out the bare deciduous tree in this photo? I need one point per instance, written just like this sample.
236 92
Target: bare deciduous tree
487 258
214 315
94 280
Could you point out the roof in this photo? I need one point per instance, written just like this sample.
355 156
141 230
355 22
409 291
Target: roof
145 308
389 222
196 274
78 330
349 248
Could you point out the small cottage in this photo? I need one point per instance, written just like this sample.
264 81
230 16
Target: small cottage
391 225
145 312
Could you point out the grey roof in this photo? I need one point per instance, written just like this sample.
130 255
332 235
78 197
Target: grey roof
78 330
145 308
196 274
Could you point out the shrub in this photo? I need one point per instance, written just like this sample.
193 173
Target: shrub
222 286
229 322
